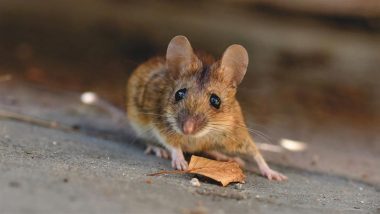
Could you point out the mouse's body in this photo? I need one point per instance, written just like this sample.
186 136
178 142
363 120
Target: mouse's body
186 103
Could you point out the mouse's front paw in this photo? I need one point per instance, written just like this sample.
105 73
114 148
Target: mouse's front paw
273 175
179 163
178 160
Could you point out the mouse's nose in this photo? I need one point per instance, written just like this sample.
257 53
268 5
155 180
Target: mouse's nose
188 126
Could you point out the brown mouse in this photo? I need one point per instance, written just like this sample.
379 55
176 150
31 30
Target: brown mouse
185 102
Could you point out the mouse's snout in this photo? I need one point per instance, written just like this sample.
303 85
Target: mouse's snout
191 124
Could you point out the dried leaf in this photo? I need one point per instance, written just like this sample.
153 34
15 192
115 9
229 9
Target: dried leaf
224 172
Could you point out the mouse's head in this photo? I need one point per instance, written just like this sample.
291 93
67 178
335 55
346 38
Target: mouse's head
201 99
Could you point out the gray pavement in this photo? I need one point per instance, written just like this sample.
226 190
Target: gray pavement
101 169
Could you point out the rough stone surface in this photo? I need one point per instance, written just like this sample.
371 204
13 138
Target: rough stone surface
101 169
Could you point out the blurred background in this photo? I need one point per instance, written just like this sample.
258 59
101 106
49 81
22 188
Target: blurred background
311 93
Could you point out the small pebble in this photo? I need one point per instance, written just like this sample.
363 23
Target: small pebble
54 143
238 186
89 97
195 182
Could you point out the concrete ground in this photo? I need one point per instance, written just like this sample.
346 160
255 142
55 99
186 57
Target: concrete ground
100 168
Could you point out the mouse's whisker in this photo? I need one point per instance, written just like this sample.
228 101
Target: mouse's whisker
146 113
252 131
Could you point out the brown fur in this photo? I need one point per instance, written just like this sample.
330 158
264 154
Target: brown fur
191 123
150 102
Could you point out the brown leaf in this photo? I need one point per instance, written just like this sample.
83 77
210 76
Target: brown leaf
224 172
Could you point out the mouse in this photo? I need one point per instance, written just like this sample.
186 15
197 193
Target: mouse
185 102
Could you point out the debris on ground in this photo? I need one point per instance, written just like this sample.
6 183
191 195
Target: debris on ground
195 182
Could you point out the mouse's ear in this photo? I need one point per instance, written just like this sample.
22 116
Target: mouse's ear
234 64
179 55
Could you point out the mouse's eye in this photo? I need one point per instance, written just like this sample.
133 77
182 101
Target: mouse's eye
215 101
180 94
